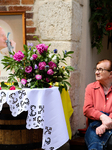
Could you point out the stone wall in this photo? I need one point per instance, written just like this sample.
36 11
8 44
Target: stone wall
58 22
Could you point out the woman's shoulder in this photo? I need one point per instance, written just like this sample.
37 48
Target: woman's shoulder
93 85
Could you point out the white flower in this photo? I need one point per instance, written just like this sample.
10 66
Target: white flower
34 50
29 84
29 80
50 55
20 84
31 58
54 58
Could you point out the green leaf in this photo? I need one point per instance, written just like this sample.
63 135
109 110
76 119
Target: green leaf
69 52
16 84
64 62
65 86
26 48
60 88
3 84
67 83
49 45
70 68
37 39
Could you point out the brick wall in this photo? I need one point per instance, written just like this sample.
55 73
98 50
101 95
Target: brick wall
21 5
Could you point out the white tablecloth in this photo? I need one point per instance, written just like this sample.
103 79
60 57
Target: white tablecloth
45 111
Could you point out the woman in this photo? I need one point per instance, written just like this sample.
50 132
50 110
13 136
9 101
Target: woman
98 108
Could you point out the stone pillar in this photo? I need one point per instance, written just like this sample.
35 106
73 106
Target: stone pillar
76 28
59 22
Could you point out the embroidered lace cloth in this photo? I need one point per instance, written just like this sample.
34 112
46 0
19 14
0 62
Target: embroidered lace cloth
45 111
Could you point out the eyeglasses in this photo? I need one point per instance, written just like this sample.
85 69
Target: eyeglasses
100 70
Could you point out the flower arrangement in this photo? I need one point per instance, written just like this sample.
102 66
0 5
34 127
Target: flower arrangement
38 67
101 21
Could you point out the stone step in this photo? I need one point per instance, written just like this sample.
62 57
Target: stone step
78 143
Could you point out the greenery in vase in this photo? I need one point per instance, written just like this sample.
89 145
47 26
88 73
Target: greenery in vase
38 67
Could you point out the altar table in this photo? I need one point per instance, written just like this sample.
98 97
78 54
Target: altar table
45 111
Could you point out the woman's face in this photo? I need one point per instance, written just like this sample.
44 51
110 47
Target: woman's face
102 73
3 39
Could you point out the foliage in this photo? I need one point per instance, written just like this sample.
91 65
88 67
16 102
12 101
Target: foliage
38 67
9 86
101 21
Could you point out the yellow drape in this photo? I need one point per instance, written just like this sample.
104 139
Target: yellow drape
68 110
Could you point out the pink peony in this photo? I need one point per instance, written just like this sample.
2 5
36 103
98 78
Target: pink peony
0 88
28 69
42 65
23 81
12 88
18 56
38 77
52 65
50 72
34 56
41 48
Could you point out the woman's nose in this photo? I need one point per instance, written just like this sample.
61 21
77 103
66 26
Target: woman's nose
97 72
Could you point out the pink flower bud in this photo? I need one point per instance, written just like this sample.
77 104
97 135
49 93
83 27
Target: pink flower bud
12 88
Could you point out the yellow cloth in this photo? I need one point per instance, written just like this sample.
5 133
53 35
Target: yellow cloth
68 110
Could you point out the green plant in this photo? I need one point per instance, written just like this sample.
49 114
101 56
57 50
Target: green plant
101 22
